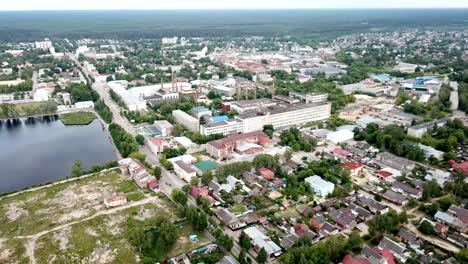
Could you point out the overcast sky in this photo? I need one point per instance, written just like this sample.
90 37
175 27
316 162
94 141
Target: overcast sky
222 4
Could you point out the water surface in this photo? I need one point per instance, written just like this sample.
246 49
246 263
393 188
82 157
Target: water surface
41 152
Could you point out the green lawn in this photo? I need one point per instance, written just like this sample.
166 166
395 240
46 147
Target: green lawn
78 118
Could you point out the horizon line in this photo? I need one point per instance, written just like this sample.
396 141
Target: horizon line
236 9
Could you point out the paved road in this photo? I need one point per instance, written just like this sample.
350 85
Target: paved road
103 90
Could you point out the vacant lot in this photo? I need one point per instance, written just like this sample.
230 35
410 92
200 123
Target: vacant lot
68 222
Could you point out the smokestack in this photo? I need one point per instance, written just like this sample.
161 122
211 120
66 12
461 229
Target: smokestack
238 92
162 85
246 92
273 89
173 77
255 91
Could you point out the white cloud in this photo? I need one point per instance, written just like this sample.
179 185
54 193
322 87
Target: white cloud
220 4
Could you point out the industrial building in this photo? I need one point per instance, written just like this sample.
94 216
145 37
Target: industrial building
188 121
419 130
283 116
228 127
255 114
136 98
310 97
243 144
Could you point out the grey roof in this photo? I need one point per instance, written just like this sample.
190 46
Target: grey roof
226 216
394 197
429 124
394 247
407 236
289 240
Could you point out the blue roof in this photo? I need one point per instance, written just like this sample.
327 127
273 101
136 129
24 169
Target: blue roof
200 109
422 80
217 119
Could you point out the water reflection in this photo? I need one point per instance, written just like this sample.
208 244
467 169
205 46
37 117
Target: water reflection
37 151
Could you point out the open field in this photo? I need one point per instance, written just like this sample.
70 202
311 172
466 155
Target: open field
184 244
78 118
68 222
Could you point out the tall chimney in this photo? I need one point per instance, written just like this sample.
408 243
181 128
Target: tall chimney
273 89
238 92
173 77
162 85
246 92
255 91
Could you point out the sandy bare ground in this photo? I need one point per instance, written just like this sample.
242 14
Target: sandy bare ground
101 254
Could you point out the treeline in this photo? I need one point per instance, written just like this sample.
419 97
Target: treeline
125 143
22 87
103 110
392 138
20 110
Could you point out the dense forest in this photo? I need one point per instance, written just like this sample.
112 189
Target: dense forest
317 24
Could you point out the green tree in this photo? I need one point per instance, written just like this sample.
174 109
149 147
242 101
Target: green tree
426 228
155 240
262 256
207 177
244 241
140 139
462 255
76 169
179 196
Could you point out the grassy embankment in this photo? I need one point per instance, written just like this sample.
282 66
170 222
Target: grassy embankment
78 118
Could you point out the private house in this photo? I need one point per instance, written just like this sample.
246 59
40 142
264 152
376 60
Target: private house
356 168
407 190
398 249
229 219
260 240
266 174
136 170
395 197
409 238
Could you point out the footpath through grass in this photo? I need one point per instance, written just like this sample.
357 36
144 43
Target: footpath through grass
78 118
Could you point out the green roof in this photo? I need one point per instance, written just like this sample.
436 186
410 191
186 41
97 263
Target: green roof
206 165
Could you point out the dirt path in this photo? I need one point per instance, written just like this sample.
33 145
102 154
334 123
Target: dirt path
30 243
433 240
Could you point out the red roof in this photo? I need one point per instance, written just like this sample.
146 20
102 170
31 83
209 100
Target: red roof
459 166
300 229
388 255
440 228
266 173
353 165
341 152
384 174
278 182
153 185
158 141
196 191
348 259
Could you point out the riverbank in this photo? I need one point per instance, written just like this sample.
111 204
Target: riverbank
78 118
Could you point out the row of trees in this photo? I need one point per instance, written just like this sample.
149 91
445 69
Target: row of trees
125 143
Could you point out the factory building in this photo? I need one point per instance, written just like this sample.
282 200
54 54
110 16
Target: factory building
188 121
